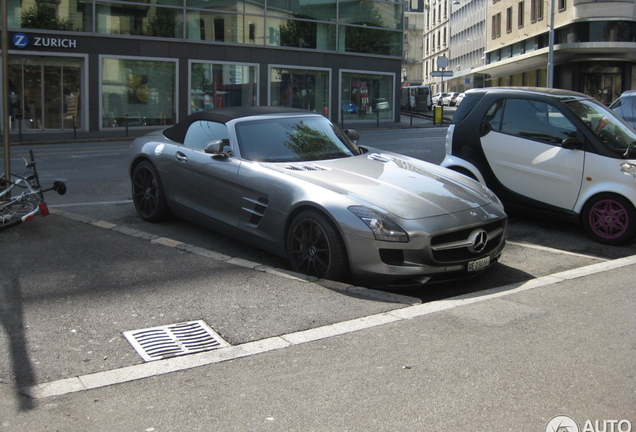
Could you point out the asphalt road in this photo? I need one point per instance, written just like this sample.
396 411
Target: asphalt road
99 188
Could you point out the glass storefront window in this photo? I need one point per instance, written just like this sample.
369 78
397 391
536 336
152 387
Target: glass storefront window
65 15
219 27
218 85
125 19
255 7
370 41
141 91
300 88
45 92
158 2
371 13
308 9
366 26
301 34
366 96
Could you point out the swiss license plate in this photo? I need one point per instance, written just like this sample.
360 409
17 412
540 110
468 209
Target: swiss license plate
479 264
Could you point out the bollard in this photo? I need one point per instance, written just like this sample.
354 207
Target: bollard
74 128
377 118
126 123
438 115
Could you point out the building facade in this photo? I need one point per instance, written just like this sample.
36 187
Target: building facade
414 18
594 45
467 28
436 42
97 64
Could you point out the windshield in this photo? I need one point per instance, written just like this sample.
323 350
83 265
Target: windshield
610 129
293 139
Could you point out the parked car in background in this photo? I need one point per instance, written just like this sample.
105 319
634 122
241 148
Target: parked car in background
291 182
459 98
625 107
437 99
450 99
552 152
349 108
382 104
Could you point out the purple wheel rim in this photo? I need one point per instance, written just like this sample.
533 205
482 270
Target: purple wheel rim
608 219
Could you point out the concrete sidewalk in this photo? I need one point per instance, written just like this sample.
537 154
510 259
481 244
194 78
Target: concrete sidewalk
302 357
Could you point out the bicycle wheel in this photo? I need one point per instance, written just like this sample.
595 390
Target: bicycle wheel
12 212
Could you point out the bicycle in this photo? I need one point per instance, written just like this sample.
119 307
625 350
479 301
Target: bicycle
16 208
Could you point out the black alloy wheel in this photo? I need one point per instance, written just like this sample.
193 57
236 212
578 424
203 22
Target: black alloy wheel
315 247
148 194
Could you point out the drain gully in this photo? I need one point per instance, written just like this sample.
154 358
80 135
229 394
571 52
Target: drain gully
173 340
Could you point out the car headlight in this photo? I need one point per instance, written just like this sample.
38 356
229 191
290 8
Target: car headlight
383 228
628 169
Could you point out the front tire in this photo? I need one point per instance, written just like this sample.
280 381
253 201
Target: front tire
148 193
609 219
315 248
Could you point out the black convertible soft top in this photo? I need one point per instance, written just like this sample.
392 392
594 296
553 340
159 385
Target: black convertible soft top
223 115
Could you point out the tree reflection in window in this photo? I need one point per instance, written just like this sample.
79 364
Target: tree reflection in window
300 34
308 143
42 16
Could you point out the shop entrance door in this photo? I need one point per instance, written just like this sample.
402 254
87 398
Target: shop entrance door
44 93
605 87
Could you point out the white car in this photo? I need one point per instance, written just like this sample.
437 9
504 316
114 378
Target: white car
437 99
625 107
550 152
450 99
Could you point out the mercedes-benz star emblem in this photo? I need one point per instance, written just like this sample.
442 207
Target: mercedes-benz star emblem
478 240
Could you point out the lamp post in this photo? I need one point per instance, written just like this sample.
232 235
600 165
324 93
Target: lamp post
550 78
5 90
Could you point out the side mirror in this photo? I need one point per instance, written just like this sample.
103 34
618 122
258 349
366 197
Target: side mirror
572 144
352 135
215 148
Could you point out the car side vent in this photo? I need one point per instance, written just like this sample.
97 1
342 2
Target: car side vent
305 167
256 209
380 157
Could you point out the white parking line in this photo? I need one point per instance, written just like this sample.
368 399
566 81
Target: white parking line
552 250
91 203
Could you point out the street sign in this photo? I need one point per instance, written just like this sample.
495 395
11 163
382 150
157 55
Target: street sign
442 73
442 62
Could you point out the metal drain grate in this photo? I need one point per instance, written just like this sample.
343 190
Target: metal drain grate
174 340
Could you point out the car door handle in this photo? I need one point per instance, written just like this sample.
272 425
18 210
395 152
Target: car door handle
181 157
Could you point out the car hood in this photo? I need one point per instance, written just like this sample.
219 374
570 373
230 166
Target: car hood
405 187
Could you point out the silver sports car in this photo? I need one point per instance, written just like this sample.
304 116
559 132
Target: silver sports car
290 182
